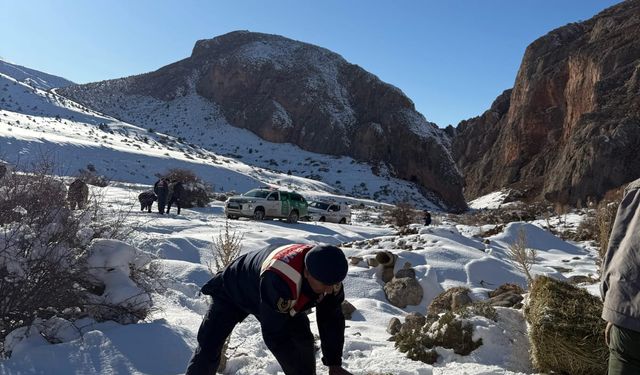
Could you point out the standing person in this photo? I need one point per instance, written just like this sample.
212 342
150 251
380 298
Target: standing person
620 286
427 218
277 285
161 188
176 192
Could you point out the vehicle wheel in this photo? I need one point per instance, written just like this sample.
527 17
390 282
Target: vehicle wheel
343 221
293 217
258 214
322 219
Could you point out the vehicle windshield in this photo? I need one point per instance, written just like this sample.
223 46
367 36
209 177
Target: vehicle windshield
319 205
257 193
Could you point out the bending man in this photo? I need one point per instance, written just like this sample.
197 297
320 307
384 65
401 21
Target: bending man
277 285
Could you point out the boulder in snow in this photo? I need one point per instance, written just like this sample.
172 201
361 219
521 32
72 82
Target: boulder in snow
403 291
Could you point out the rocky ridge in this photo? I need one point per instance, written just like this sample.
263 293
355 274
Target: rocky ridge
569 129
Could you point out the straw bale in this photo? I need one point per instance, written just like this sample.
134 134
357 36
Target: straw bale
566 331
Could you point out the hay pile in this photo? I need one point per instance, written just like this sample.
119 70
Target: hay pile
566 331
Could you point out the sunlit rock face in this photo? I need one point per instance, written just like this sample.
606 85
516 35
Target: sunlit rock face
569 130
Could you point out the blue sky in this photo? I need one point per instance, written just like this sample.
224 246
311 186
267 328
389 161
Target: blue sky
451 57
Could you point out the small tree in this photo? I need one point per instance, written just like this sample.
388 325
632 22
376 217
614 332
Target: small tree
224 248
522 257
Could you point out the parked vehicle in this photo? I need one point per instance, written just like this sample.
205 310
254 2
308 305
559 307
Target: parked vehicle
330 211
265 203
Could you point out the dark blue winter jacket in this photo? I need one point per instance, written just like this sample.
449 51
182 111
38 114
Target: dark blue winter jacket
265 295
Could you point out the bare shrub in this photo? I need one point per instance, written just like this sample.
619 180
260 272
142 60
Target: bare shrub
587 230
522 257
435 220
197 193
597 225
366 214
44 254
225 248
180 174
401 215
561 210
90 176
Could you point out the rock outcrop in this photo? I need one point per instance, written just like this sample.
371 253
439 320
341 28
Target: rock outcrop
570 128
288 91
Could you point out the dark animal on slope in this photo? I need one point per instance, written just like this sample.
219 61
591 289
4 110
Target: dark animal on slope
78 194
146 199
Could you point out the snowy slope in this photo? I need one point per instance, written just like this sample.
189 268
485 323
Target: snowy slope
33 77
34 122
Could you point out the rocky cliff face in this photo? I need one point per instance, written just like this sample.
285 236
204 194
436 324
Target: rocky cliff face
288 91
570 128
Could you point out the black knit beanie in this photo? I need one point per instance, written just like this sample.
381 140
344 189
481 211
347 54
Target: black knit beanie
326 264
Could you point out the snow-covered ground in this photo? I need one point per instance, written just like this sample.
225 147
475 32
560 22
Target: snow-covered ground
443 256
34 123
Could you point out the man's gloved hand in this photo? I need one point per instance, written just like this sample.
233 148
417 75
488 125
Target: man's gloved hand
338 370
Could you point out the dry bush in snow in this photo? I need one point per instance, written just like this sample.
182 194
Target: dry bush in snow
401 215
521 256
48 264
224 249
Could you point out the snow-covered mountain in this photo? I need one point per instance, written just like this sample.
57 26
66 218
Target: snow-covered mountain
285 91
36 123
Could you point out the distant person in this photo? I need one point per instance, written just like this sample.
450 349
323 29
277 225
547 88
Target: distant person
161 188
3 170
277 285
620 286
146 199
78 194
427 218
176 191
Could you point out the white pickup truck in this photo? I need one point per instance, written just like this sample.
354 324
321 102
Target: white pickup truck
330 211
261 204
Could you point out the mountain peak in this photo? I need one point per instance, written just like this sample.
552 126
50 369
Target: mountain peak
287 91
